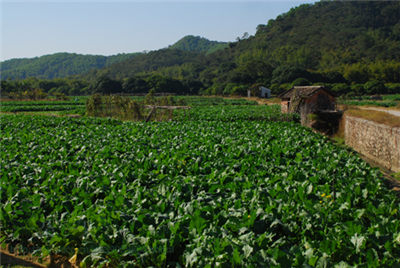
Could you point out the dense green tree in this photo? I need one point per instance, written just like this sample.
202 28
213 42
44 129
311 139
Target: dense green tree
135 85
106 85
287 74
340 88
375 87
301 82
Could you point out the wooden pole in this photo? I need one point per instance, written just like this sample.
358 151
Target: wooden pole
151 113
168 107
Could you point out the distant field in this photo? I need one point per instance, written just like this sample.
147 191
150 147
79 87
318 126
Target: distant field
387 101
229 185
77 104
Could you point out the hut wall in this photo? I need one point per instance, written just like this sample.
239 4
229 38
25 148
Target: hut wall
318 102
321 101
285 106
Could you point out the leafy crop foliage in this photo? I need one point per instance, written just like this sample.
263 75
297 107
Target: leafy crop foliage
197 192
77 106
235 113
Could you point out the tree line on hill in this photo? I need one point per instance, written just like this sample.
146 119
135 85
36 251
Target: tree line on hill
34 88
283 77
58 65
351 47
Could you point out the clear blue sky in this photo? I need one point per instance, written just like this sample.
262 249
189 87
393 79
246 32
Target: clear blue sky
34 28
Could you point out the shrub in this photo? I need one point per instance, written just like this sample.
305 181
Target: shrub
300 82
393 88
340 88
287 74
240 90
375 87
357 89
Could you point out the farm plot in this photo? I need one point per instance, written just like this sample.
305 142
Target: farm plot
213 101
42 106
194 193
78 104
236 113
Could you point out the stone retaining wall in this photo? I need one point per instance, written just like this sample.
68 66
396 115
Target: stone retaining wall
379 142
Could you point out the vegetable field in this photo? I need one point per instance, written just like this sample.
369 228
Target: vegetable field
235 114
77 104
43 106
209 191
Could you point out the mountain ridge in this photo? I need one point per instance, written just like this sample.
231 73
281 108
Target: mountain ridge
58 65
64 64
198 44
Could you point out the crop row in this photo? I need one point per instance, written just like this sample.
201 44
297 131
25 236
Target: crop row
235 113
40 103
242 193
210 101
34 108
79 104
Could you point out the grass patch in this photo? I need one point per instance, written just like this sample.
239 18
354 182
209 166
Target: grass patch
385 103
376 116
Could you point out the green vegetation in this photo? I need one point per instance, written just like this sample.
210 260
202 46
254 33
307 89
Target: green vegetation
212 101
199 44
235 113
60 65
221 186
126 108
148 63
369 103
351 46
33 88
75 106
393 97
32 108
228 183
57 65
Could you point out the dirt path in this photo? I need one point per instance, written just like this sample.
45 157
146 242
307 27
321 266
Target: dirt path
260 101
8 259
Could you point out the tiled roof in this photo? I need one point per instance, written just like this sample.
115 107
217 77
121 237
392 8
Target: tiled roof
303 92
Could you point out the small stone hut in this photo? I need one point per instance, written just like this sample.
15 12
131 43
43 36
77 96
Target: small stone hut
306 100
261 92
265 92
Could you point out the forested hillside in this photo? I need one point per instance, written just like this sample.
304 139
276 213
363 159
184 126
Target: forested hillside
346 43
57 65
61 65
199 44
352 47
148 63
